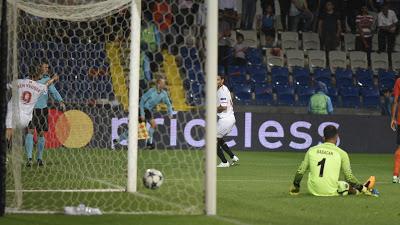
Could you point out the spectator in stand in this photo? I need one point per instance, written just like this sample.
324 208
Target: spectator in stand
268 25
298 13
228 16
248 13
386 106
284 6
329 28
320 103
313 6
387 22
364 23
240 51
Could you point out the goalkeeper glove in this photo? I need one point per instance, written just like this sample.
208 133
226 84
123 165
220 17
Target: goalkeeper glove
294 190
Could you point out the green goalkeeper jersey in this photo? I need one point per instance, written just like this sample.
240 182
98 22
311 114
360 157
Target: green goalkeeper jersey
324 162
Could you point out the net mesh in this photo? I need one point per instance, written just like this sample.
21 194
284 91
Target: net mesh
85 159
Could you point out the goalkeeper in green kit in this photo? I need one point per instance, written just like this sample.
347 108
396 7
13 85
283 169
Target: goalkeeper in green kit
325 161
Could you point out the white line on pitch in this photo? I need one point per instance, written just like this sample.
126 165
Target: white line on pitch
230 220
69 190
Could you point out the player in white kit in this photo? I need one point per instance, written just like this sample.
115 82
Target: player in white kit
226 121
28 92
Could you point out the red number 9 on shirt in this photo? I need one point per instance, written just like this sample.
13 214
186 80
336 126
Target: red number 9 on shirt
26 97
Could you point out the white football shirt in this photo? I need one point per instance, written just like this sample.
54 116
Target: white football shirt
224 99
29 92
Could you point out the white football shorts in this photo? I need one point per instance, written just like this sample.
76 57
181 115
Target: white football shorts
23 119
225 125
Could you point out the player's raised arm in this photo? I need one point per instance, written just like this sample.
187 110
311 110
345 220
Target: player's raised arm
52 80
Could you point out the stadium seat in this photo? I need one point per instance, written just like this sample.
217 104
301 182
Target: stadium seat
290 40
324 75
274 58
258 73
375 43
350 97
386 79
254 56
311 41
221 70
184 52
280 76
349 42
364 77
379 61
301 76
236 74
264 94
358 60
344 77
250 38
285 95
396 61
196 88
243 93
295 58
304 94
337 59
397 44
371 97
316 59
333 94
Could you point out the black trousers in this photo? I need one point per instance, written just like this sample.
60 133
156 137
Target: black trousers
386 41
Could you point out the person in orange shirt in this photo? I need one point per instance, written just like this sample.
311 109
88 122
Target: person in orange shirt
394 125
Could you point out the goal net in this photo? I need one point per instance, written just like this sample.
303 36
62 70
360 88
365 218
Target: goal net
87 43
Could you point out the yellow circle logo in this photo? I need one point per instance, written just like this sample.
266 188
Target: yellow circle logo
74 129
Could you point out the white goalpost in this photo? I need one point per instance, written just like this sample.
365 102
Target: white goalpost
211 129
108 53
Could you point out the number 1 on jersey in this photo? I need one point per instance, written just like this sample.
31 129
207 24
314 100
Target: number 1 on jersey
322 163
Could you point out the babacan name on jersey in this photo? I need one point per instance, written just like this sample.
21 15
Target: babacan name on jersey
324 152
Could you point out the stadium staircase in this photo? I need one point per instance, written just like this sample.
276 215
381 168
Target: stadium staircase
113 50
175 83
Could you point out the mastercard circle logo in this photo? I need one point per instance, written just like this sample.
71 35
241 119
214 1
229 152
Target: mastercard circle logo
73 129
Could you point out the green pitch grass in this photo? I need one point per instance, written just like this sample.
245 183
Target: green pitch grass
254 192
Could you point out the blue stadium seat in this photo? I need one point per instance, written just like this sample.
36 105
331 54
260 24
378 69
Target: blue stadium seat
364 77
323 75
344 77
184 52
285 95
304 93
221 70
254 56
258 72
333 94
350 97
243 93
386 79
301 76
193 53
371 97
196 88
280 76
236 74
264 94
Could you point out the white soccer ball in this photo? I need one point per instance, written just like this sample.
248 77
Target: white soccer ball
343 188
153 179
